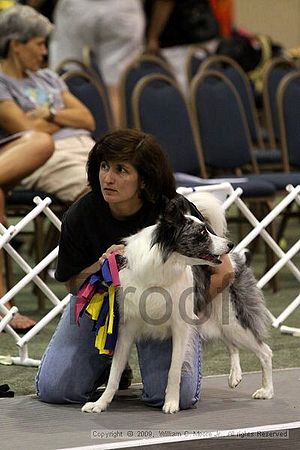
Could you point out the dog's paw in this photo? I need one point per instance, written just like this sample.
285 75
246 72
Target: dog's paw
263 393
235 377
171 407
94 407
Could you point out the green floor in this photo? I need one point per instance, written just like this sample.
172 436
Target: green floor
286 348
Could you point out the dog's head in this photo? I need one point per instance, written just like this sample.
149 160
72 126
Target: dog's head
189 237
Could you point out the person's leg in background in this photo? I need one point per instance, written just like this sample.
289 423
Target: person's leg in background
23 156
177 58
2 209
119 40
64 174
113 30
70 17
18 159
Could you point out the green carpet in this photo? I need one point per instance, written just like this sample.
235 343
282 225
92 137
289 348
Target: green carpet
216 361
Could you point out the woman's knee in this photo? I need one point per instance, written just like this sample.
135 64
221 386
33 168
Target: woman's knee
41 144
54 390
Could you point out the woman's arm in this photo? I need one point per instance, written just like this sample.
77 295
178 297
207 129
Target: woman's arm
76 281
13 119
222 276
74 114
161 11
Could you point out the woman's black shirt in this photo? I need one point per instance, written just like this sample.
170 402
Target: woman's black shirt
88 229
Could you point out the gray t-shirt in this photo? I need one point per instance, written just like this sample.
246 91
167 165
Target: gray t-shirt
41 88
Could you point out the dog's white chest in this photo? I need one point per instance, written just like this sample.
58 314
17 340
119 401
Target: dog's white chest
156 307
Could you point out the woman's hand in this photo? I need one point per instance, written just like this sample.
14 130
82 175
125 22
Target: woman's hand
76 281
115 248
222 277
152 46
41 112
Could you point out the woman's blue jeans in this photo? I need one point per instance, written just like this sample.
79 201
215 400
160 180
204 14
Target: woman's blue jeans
72 366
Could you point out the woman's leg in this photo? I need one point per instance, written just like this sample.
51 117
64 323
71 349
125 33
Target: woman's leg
64 174
23 156
71 367
19 158
2 209
155 359
20 323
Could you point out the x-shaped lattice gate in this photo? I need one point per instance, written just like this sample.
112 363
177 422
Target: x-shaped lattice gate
224 190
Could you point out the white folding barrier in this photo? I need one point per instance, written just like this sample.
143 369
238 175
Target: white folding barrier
233 197
31 275
224 191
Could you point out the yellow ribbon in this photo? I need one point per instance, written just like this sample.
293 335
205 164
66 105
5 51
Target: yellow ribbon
94 309
95 305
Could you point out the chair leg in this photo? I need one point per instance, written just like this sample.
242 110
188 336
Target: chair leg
39 253
270 256
9 271
51 241
283 223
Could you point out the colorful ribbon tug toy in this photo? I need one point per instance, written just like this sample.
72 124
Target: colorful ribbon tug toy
97 298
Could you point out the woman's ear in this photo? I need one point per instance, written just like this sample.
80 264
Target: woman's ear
15 46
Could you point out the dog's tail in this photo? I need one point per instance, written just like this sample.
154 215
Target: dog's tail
210 207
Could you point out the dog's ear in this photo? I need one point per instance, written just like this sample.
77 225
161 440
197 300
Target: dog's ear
172 212
168 228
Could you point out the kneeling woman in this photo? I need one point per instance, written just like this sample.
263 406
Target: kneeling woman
130 178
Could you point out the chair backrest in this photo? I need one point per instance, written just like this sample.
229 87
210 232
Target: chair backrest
89 59
70 64
288 104
234 72
159 108
89 91
224 134
143 65
195 57
274 71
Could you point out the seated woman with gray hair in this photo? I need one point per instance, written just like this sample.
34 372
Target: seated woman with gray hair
45 131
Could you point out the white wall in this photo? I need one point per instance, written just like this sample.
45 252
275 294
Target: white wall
280 19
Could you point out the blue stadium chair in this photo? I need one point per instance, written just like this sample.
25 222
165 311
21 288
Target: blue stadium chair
160 108
224 133
275 70
266 158
197 54
145 64
288 104
87 89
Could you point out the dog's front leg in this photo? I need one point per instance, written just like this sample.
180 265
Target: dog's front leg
235 376
125 340
179 341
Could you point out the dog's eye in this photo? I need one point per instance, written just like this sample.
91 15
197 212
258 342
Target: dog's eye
203 232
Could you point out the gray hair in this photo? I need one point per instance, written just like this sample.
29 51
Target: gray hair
21 23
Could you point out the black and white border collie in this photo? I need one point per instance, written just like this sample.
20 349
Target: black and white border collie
173 257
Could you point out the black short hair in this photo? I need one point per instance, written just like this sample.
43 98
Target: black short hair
143 152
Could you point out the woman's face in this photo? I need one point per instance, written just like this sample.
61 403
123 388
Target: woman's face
120 185
31 55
